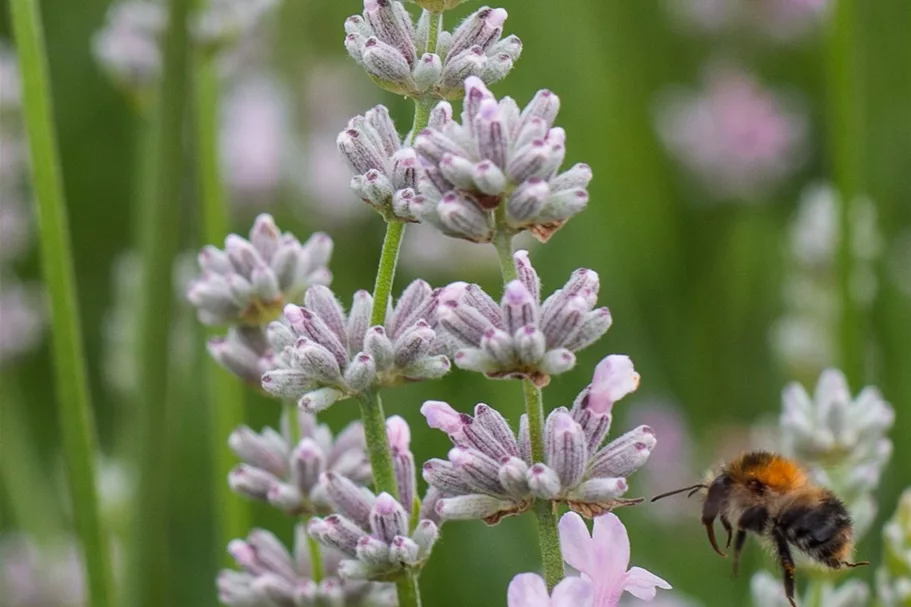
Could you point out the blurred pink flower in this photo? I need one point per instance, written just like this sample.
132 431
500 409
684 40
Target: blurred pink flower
777 20
739 138
614 378
529 590
603 558
254 139
22 318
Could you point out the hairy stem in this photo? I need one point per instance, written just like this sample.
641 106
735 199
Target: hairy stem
408 591
159 243
548 537
846 157
224 392
374 420
385 274
74 406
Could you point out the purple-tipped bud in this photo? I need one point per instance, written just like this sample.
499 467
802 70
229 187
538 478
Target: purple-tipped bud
387 64
251 482
440 116
563 323
428 70
307 464
558 361
545 105
577 176
285 497
491 133
462 65
361 373
378 345
372 551
498 345
528 199
458 170
626 454
599 490
388 518
391 25
513 476
405 168
510 46
266 451
320 399
340 533
425 536
354 44
478 470
566 450
349 499
469 507
519 307
286 383
566 203
358 150
404 551
489 178
529 161
614 378
358 321
595 325
441 474
543 482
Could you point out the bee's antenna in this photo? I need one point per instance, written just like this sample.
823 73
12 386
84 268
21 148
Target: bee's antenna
692 491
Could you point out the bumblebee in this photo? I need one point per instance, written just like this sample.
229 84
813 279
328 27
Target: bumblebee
771 496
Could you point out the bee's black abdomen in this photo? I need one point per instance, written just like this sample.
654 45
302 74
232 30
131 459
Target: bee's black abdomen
821 531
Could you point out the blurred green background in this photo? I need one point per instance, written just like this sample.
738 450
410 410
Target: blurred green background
694 288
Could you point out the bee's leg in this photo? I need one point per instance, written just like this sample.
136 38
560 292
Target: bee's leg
787 564
857 564
727 527
755 520
714 505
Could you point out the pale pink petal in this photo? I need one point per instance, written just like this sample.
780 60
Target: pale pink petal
643 584
575 543
572 592
614 378
527 590
441 416
399 433
609 559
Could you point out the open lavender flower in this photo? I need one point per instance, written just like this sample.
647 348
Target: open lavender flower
323 355
374 531
523 337
603 557
841 438
250 281
386 173
391 48
288 475
529 590
497 156
491 473
269 575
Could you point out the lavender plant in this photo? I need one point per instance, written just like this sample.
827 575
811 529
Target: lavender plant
485 179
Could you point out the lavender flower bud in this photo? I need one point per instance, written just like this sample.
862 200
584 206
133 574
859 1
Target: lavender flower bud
404 551
566 448
543 482
468 507
387 64
428 70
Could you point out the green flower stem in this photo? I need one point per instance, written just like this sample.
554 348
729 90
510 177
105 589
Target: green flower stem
548 537
385 274
74 405
846 157
316 559
815 592
224 392
159 243
374 420
408 591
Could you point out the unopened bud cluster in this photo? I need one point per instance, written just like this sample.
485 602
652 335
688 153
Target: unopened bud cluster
523 337
386 173
291 476
375 532
400 56
250 281
323 355
843 439
498 155
270 575
490 473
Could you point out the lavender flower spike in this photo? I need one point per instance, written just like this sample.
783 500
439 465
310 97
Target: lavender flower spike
490 473
498 155
394 50
522 337
250 281
288 476
386 173
269 575
374 533
323 355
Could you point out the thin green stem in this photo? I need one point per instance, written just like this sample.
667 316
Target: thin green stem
409 593
159 242
815 593
846 156
385 274
374 420
316 559
225 393
548 537
74 405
